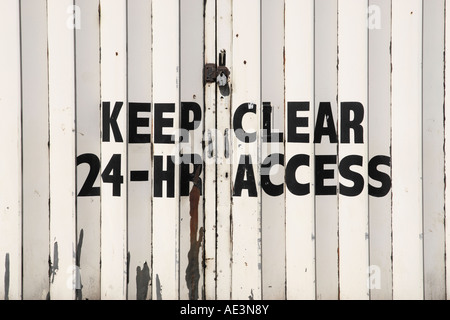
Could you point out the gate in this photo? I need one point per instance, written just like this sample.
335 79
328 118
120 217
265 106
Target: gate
220 149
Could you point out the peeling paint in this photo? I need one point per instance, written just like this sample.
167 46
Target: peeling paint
7 275
142 281
53 265
192 270
158 289
128 266
78 290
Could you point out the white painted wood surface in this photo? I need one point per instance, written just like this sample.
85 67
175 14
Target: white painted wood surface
353 209
139 149
433 150
61 87
191 75
246 207
299 95
447 145
87 41
223 182
77 231
166 90
114 158
35 140
326 206
273 207
379 121
407 227
11 146
209 162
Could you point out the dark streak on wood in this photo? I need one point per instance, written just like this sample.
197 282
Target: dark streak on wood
192 270
7 276
78 290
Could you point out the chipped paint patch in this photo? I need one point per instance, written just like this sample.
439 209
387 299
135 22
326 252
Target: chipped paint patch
158 288
7 276
78 290
128 266
53 265
142 281
192 270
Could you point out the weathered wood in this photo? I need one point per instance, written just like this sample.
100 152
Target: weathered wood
353 200
114 254
300 208
62 113
272 115
407 227
87 41
166 96
379 119
35 150
11 148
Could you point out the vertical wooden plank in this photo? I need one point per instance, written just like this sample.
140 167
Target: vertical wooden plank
209 192
326 149
166 97
406 111
246 105
224 154
61 60
191 150
379 117
114 149
433 151
272 173
353 149
447 144
87 26
299 149
139 148
35 140
11 146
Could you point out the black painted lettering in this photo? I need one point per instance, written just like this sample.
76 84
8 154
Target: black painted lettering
245 177
267 185
325 115
187 176
88 189
355 124
358 180
110 121
135 122
241 134
294 121
295 187
160 175
268 135
323 174
160 122
380 176
113 174
188 108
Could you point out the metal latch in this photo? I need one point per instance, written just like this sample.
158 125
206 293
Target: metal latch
218 74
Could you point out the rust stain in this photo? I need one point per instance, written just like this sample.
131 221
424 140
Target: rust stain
192 270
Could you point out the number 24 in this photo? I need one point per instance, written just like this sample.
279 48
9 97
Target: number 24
111 174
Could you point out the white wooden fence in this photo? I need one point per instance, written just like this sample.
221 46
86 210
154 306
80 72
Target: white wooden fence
219 149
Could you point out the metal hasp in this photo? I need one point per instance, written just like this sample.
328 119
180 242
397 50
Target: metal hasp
219 74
